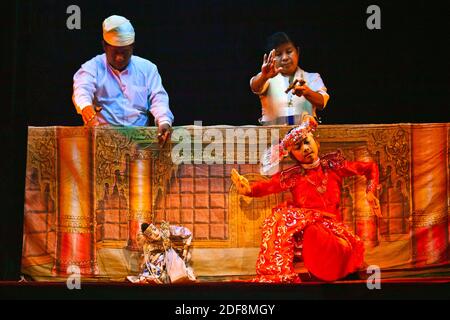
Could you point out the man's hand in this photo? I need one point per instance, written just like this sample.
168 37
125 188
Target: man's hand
89 116
164 134
374 204
268 69
241 183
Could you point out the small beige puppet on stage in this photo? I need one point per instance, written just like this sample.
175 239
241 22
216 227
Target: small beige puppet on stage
166 253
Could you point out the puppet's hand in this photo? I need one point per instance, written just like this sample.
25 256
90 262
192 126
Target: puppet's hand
241 183
374 203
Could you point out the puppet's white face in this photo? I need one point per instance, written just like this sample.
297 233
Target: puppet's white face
306 151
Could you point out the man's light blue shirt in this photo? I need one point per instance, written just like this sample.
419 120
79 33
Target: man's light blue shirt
126 96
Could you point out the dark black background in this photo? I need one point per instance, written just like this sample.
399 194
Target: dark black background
206 52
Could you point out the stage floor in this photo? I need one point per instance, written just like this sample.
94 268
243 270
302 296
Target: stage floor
231 288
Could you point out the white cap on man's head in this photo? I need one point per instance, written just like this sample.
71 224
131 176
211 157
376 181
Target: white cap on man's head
118 31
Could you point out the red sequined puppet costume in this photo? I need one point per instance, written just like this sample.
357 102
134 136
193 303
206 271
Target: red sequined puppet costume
312 221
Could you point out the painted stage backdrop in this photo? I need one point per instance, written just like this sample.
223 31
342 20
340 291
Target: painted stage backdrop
89 189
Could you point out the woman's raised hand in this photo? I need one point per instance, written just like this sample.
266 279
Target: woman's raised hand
268 68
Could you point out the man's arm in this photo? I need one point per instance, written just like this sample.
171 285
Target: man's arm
159 107
159 100
84 87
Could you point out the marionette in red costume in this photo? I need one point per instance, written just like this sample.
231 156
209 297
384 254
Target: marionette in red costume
311 221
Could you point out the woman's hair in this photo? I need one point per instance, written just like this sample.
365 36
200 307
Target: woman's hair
277 39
